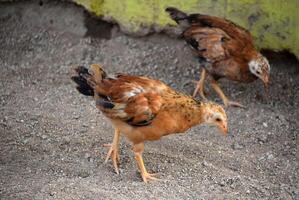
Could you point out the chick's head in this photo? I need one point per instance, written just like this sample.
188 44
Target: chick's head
214 114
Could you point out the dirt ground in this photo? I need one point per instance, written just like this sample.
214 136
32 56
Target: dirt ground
51 136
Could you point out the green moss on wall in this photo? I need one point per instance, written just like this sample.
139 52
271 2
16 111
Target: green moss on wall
273 23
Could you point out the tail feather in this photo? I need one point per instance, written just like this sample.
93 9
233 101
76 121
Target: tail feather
82 86
86 81
178 16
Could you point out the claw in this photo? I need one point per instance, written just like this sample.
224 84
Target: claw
138 149
234 103
225 100
113 154
149 177
113 151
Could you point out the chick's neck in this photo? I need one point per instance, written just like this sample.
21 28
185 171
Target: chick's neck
192 112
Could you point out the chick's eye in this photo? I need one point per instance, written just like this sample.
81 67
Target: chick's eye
218 119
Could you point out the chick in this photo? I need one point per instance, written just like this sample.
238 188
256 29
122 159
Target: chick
223 49
143 109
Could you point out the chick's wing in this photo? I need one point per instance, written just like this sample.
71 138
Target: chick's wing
134 100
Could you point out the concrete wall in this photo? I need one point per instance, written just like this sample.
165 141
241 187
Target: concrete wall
274 23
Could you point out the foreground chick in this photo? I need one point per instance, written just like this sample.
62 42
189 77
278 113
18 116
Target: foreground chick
143 109
223 49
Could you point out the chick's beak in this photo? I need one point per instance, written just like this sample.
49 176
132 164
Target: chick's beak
265 78
224 129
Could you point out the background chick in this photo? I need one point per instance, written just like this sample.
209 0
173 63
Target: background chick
224 50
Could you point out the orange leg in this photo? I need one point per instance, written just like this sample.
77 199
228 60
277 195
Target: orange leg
223 97
200 84
138 149
113 151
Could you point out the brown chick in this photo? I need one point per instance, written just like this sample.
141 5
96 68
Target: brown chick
144 109
224 50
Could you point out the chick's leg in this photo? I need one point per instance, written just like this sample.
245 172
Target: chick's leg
113 151
200 84
223 97
138 150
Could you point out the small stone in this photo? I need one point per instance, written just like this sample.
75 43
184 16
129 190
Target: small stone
270 156
205 164
83 130
83 174
4 124
44 137
76 117
262 139
32 133
296 193
222 183
265 124
51 193
25 141
237 146
87 155
67 140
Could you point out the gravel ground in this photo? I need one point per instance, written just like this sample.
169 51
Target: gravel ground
51 136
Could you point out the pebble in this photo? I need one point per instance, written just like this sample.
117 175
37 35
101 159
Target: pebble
83 174
76 116
67 140
44 137
237 146
206 164
87 155
265 124
270 156
262 139
52 193
222 183
175 61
